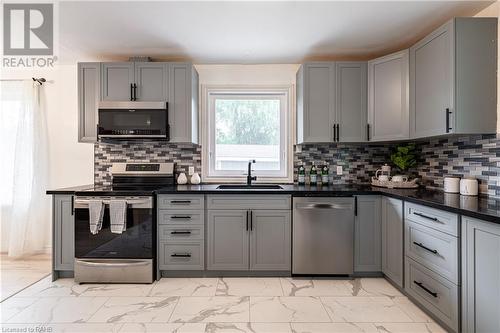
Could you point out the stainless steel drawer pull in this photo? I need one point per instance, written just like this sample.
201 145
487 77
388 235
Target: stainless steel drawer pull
181 255
180 233
184 202
186 217
425 247
421 285
427 217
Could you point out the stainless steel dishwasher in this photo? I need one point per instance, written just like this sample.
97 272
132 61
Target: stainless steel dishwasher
323 235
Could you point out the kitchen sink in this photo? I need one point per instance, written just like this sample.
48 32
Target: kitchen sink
249 187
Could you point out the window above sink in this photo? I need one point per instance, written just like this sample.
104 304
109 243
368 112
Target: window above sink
243 125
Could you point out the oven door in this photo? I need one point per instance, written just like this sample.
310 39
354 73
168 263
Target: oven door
133 120
134 243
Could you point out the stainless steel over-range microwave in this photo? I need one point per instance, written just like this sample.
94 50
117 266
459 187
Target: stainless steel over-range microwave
133 120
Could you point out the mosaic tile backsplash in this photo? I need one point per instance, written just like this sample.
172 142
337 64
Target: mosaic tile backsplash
105 154
475 155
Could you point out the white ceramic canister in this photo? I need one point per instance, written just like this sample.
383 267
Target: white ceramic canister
452 184
182 179
469 186
195 179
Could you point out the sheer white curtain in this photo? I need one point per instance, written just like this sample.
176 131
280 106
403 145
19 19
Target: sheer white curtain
24 168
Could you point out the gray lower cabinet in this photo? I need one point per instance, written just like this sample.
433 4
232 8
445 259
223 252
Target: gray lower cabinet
270 247
227 240
89 85
63 237
392 239
368 234
243 234
181 232
388 97
480 276
453 79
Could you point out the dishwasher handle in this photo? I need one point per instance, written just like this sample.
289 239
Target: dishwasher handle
324 206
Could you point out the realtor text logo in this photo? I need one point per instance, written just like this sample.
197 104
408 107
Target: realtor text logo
28 29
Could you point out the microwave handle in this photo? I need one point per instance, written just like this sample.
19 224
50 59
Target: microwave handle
168 125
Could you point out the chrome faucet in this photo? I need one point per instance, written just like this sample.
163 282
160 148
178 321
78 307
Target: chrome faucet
249 175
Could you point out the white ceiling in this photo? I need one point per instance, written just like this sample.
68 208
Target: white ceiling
248 32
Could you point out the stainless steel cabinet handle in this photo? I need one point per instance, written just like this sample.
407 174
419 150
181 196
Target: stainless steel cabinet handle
421 285
425 247
324 206
181 255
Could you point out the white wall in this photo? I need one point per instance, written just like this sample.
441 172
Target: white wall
247 74
494 11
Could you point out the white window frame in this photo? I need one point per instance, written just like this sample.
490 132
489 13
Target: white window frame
209 95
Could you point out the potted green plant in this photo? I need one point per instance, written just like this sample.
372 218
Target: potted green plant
403 158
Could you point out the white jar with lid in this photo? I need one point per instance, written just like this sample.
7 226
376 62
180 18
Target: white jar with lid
469 186
452 184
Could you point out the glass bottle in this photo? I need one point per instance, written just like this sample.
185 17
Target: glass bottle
325 174
313 175
302 174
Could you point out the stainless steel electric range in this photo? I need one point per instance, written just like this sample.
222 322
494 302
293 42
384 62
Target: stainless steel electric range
130 256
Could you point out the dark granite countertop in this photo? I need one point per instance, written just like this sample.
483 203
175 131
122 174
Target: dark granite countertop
483 208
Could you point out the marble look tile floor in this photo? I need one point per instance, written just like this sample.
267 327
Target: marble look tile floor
267 305
17 274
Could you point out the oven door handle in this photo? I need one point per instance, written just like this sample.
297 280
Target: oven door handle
145 203
107 264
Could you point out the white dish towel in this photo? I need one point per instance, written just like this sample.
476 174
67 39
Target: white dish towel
96 214
118 216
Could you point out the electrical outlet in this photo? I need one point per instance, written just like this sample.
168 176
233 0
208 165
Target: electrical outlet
191 170
339 170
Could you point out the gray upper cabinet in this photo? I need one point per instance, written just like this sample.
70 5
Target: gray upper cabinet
151 79
183 103
480 276
367 234
270 247
63 233
227 243
392 239
116 81
315 102
175 83
350 101
388 97
453 79
89 74
331 102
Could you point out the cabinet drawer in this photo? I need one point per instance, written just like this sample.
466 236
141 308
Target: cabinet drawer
181 256
432 291
180 217
181 201
248 201
431 217
433 249
180 232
